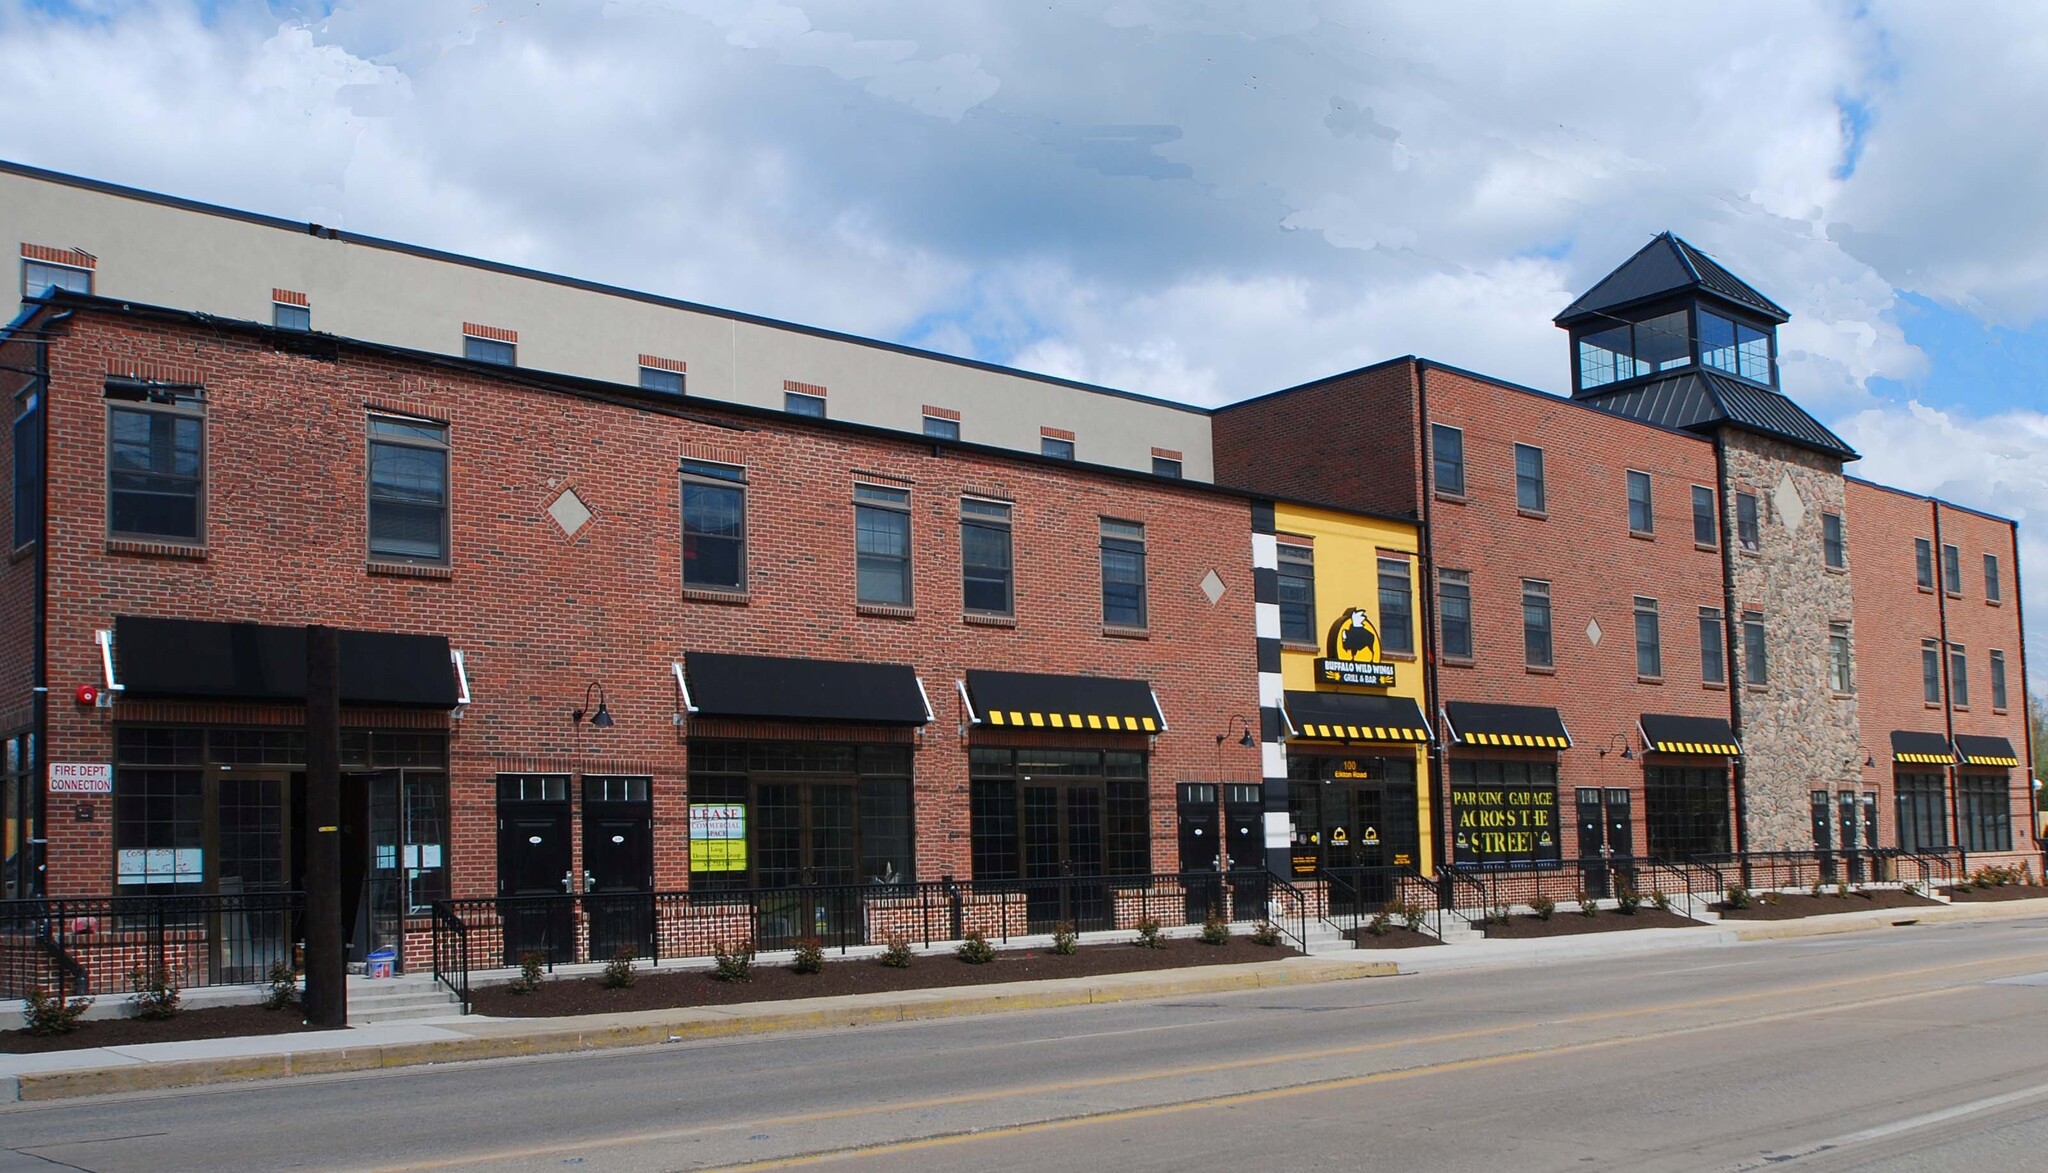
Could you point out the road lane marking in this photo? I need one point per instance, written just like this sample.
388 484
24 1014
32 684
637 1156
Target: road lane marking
1881 1131
1068 1087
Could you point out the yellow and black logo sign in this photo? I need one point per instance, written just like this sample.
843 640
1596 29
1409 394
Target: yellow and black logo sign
1352 653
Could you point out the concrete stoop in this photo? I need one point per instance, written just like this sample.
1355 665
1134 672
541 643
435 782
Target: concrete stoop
408 998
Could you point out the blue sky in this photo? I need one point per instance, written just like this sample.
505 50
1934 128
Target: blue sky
1199 199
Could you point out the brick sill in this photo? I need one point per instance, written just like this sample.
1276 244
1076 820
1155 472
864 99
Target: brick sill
410 570
157 549
1126 632
1642 535
1926 590
981 620
1458 662
1657 680
884 611
1297 646
1714 685
22 552
1533 514
1453 498
1707 547
1533 670
730 598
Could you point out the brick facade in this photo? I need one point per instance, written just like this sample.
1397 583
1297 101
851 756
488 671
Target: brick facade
1375 467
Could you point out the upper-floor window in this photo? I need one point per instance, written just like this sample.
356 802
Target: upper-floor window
156 461
1998 696
1297 593
1641 519
1166 466
1930 671
1923 563
1397 605
1649 640
1631 349
662 379
1841 661
714 525
490 350
1530 494
1056 447
1123 573
1447 451
408 489
28 467
286 315
1735 347
1537 649
1706 528
1958 676
1713 650
37 276
881 528
1833 545
1991 588
803 403
986 568
1952 571
1756 663
1748 534
1454 611
940 427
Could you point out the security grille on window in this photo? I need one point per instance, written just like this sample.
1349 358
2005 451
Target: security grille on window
1649 640
1706 529
1641 520
40 276
408 490
1447 449
156 461
1297 594
1833 546
881 523
1530 493
1998 697
1397 606
1123 573
1991 590
985 556
714 526
1748 533
1713 667
1536 642
1958 676
1841 670
1454 609
1923 563
1952 571
1930 671
1756 660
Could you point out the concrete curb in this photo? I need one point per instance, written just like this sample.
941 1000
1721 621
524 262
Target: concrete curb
510 1038
1857 922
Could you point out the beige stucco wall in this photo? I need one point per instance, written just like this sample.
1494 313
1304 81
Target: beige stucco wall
193 259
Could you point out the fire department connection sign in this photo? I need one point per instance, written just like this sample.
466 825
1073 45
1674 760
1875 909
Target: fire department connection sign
81 778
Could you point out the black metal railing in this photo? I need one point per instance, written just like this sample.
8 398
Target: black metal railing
1289 908
1479 893
451 952
93 946
1768 871
1352 897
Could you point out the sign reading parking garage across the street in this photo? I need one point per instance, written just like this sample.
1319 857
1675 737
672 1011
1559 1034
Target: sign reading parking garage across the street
1505 826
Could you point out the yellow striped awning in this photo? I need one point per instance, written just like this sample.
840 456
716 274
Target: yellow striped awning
1921 749
1506 726
1516 740
1926 759
1695 736
1068 704
1986 751
1333 716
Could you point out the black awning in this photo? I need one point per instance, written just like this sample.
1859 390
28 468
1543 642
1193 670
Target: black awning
1506 726
780 688
1707 736
1335 716
1985 751
188 658
1092 704
1921 749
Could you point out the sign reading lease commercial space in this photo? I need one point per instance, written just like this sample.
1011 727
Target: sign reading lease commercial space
81 778
1505 826
1351 653
718 837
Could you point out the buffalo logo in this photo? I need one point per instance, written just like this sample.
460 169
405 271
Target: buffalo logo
1353 639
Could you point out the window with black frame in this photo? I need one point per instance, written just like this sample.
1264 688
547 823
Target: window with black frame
156 462
881 523
1042 813
772 814
408 490
1687 811
1123 574
714 526
986 569
1923 812
1984 807
1297 581
1397 605
1504 813
159 811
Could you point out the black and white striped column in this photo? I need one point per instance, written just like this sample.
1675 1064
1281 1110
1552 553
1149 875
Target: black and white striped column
1272 693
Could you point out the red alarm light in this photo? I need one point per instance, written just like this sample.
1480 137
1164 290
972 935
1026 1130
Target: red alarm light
86 694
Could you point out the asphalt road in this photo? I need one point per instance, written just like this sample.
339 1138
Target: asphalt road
1922 1048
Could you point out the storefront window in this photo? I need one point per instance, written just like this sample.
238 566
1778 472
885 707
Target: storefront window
1984 804
1923 815
1504 814
793 814
1687 809
1352 812
1046 813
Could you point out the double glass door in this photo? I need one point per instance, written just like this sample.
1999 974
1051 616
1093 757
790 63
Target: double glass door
806 838
1062 840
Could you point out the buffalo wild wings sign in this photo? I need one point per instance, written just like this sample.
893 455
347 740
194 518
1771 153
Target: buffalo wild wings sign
1351 653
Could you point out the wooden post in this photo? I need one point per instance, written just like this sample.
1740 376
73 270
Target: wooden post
326 968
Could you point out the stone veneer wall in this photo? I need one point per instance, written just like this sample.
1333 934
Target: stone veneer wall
1798 736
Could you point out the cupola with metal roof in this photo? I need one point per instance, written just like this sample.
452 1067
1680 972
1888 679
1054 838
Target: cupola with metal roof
1673 338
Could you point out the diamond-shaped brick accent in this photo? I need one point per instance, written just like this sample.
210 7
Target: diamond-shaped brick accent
570 512
1786 499
1212 587
1593 631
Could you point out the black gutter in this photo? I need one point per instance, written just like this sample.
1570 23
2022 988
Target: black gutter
1738 776
1425 546
34 866
1948 693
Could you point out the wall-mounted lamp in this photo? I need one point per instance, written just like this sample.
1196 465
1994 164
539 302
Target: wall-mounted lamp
1247 740
602 718
1628 753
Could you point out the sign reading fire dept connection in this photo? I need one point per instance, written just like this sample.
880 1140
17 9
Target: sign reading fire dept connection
1352 653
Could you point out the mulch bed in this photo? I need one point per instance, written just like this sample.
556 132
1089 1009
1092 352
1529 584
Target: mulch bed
214 1022
1396 937
1565 924
1975 895
1792 906
658 990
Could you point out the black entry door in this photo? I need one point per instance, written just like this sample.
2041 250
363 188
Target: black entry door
1851 810
1824 836
1202 847
1353 831
1606 839
804 833
1063 855
533 881
1244 847
618 865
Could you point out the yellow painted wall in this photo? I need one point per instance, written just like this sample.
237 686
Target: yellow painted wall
1347 550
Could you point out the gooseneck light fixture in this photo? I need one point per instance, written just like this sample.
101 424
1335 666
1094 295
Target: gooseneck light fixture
602 718
1628 753
1247 740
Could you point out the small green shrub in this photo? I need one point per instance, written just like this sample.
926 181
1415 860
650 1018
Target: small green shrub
1544 907
1660 900
896 952
1589 904
618 972
1817 890
1413 915
1148 934
810 956
1496 914
530 965
733 961
1737 896
1627 899
1381 923
1266 933
1064 939
284 987
155 993
1215 931
974 949
44 1013
1842 891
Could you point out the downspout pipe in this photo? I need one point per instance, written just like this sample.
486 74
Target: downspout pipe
1948 695
1439 809
1730 617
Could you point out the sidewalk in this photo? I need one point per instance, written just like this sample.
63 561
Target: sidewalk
152 1066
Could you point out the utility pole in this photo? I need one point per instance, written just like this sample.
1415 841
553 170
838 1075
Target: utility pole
326 973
